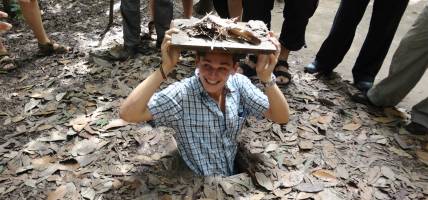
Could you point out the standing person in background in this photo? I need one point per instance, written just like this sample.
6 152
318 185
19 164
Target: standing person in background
408 65
161 12
296 15
32 16
384 22
228 8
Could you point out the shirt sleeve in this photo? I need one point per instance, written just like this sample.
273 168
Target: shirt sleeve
255 101
165 106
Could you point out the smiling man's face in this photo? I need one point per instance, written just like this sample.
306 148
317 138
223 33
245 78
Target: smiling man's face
214 70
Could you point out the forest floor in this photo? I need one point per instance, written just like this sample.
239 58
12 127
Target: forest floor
61 137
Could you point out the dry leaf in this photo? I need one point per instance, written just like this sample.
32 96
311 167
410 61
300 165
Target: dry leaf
53 136
352 126
227 188
32 104
325 175
84 147
422 156
304 195
325 119
290 179
341 171
281 192
43 94
400 152
271 147
88 193
60 96
310 135
306 144
115 123
328 194
80 122
42 162
329 153
387 172
58 194
380 139
384 120
310 187
264 181
373 174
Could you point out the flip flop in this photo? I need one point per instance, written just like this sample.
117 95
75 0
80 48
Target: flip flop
280 73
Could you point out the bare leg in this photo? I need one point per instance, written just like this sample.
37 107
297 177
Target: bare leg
188 8
152 10
235 8
283 55
32 16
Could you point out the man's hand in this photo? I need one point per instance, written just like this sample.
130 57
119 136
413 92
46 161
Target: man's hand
3 25
170 55
25 1
266 62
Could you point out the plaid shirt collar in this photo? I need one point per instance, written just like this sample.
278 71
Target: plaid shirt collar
228 88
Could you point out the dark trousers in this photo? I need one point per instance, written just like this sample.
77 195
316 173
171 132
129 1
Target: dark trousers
130 10
385 19
252 10
296 15
221 8
257 10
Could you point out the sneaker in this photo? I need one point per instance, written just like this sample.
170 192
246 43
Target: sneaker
416 128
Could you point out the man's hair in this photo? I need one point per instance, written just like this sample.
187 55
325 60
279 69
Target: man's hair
235 57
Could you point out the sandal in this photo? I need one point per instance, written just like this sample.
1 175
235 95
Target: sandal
52 48
151 27
150 34
7 62
248 67
281 73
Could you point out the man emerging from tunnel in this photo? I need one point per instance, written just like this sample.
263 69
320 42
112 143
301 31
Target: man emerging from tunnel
207 110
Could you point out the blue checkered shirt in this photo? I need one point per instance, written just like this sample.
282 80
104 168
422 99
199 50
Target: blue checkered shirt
206 137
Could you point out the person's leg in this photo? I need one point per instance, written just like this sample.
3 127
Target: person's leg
235 8
420 114
385 19
32 16
257 10
341 35
408 64
163 18
296 15
222 8
187 8
130 10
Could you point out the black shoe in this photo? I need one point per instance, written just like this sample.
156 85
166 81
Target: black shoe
362 99
416 129
363 86
314 67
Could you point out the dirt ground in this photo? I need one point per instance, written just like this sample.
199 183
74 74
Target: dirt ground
61 137
320 25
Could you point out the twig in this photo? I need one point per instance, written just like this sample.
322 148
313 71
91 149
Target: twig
110 21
